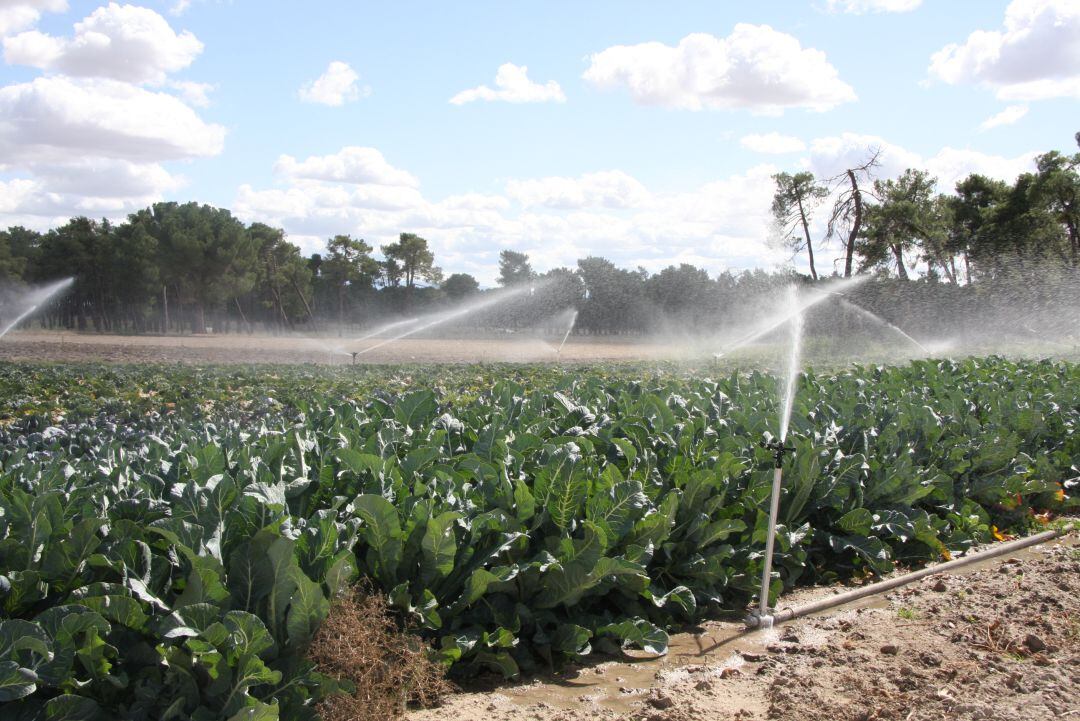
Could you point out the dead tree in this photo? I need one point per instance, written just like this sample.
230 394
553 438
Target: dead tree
848 210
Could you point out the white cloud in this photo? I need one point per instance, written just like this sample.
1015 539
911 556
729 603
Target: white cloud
197 94
951 165
756 68
56 118
772 143
512 85
95 187
108 178
1035 56
180 7
1008 116
349 165
83 146
16 15
122 42
558 220
335 87
607 189
859 7
830 156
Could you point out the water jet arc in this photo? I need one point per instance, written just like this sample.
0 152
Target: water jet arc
881 321
37 298
569 330
499 297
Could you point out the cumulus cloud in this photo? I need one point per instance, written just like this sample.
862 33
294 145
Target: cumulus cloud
57 117
16 15
122 42
830 156
719 225
860 7
95 187
89 138
1008 116
197 94
351 164
1035 56
755 68
86 146
335 87
512 85
772 143
607 189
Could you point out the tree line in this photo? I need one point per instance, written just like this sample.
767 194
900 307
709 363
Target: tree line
195 268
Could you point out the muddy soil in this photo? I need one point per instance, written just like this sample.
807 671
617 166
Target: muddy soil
76 347
999 640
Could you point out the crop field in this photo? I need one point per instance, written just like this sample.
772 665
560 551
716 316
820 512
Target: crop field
172 537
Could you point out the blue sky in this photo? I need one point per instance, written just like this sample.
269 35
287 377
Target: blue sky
645 132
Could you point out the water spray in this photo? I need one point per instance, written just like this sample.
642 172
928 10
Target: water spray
36 299
569 330
763 619
881 321
796 308
453 315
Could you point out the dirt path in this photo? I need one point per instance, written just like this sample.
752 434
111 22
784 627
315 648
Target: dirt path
67 346
998 641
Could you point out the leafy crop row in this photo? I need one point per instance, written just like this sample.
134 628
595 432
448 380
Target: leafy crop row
169 547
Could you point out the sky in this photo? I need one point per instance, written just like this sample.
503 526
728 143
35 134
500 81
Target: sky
644 132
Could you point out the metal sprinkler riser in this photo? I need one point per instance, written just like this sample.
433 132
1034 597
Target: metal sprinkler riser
764 619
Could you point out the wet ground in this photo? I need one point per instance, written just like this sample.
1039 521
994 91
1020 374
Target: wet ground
75 347
998 640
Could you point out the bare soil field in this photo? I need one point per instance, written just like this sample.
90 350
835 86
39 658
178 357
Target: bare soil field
999 641
67 346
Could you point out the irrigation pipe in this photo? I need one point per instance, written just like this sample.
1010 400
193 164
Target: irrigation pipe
1002 549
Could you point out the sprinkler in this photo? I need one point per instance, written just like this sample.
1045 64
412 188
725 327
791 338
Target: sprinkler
778 450
354 354
763 619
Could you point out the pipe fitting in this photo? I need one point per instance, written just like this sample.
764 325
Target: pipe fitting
759 621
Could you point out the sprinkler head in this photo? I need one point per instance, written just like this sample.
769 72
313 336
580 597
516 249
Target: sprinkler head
354 354
778 450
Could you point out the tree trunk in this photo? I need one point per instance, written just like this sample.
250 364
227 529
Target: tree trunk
243 318
198 319
809 245
341 310
898 253
1074 242
311 316
856 224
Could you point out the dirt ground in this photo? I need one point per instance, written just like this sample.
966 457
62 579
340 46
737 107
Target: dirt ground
998 641
67 346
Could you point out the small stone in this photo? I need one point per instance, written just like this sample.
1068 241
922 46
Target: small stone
940 586
752 657
702 686
890 649
661 702
1034 643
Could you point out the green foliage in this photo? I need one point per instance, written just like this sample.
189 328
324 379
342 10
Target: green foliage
170 541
